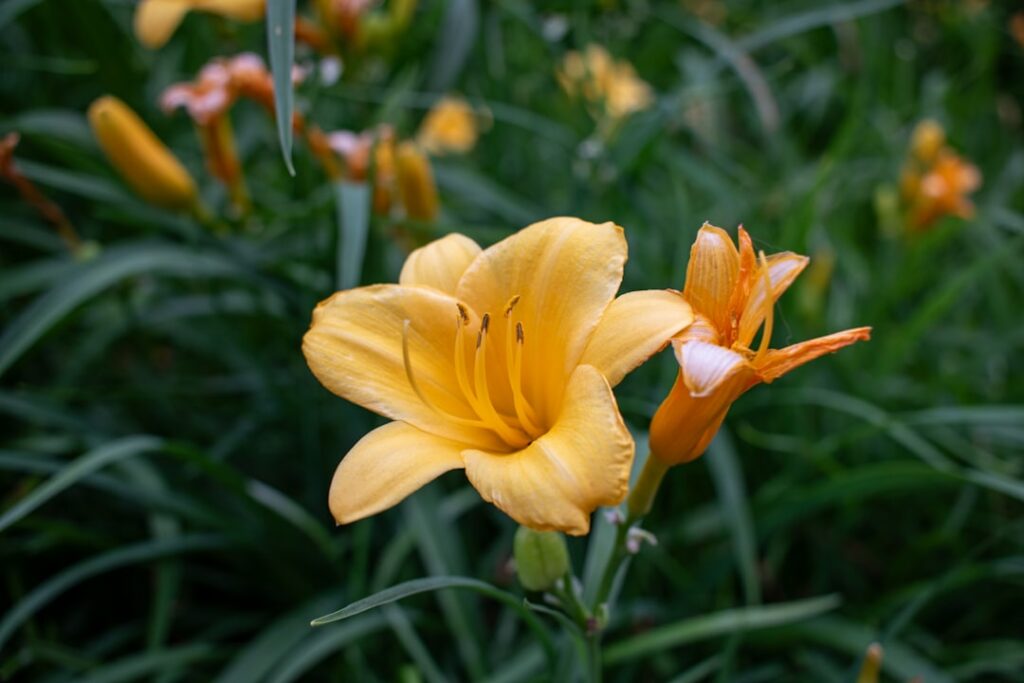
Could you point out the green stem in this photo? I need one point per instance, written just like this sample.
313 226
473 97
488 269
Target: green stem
594 671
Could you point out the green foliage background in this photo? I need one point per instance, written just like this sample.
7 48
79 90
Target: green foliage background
165 453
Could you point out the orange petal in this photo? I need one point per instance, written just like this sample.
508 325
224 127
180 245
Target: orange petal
635 326
712 275
441 263
387 465
783 269
581 463
710 379
778 362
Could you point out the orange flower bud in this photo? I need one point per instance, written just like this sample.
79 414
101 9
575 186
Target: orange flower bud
136 152
416 183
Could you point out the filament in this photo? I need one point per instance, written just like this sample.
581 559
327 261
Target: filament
769 318
407 362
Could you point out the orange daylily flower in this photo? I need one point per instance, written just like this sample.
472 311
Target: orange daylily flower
209 99
936 181
733 293
157 20
499 362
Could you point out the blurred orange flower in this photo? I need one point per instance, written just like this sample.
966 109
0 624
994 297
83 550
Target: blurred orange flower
449 127
157 20
733 294
936 181
357 150
600 79
209 98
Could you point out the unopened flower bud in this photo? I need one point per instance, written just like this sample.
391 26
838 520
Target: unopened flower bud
416 183
542 558
143 161
928 138
872 664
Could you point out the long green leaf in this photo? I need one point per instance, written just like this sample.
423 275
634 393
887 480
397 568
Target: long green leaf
161 661
718 624
120 557
732 495
281 47
853 639
353 201
414 587
321 645
76 470
436 583
455 41
93 277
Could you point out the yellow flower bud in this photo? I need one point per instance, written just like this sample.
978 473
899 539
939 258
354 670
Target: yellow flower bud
542 558
143 161
416 183
872 664
928 138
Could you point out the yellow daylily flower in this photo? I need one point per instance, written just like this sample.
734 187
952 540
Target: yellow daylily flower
599 78
136 152
157 20
733 293
499 362
449 126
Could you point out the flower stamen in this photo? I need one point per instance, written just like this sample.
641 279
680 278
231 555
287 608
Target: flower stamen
510 435
515 378
407 361
769 317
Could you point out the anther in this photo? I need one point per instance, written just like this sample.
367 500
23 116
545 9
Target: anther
463 315
510 305
520 337
484 323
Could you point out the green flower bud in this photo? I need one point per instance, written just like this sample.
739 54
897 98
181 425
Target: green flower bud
541 558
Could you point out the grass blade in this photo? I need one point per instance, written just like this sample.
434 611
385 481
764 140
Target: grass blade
281 47
90 278
76 470
732 495
718 624
119 557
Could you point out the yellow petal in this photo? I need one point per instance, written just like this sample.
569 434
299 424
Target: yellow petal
710 379
354 347
388 464
565 272
636 326
778 362
440 264
156 20
583 462
239 10
712 275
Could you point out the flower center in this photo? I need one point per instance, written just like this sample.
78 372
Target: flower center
517 429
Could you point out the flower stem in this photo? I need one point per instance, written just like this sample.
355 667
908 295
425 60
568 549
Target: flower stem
594 671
